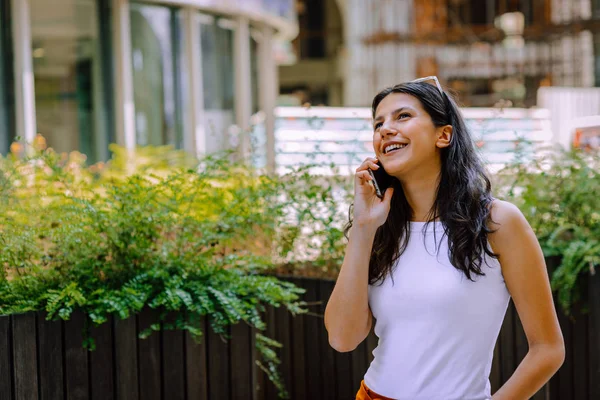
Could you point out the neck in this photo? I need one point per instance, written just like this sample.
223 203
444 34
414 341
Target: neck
420 192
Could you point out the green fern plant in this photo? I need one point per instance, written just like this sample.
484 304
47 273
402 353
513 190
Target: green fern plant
148 229
558 193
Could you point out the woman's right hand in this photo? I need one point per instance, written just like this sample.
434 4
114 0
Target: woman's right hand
369 210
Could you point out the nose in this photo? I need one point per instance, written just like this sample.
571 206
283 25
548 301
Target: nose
386 130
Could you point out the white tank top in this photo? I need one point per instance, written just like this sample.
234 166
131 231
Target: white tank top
437 330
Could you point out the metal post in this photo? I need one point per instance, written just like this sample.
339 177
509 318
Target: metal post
243 98
195 135
23 69
124 104
268 84
491 12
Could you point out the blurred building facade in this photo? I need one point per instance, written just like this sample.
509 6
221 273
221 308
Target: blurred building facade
186 73
487 50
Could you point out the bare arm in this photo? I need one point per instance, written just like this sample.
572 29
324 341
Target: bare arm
527 280
348 318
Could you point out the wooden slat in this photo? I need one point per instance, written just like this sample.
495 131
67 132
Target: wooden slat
76 361
328 357
241 361
372 342
219 373
552 263
579 344
565 373
269 390
359 365
496 372
258 376
541 394
126 365
343 376
196 367
580 354
312 353
594 333
25 357
282 324
149 350
345 387
507 349
554 388
50 342
298 357
173 365
6 369
102 368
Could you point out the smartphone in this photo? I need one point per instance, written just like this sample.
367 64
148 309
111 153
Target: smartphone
381 180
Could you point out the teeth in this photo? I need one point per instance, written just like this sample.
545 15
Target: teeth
393 146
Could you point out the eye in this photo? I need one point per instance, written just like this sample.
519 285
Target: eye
377 126
403 115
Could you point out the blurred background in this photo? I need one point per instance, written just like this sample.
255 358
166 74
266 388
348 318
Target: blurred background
208 75
284 85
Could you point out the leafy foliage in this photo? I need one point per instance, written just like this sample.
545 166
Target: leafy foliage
559 195
557 191
190 238
149 229
310 238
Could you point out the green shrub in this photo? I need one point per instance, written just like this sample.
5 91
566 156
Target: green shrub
310 239
558 192
559 195
148 229
157 228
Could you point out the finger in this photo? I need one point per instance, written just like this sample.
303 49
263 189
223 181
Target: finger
364 177
368 164
364 174
365 181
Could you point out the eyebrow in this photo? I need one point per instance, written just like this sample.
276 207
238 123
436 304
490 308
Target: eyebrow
397 111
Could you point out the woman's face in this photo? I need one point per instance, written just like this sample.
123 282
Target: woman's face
401 119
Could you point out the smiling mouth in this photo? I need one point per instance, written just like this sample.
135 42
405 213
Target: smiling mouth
394 149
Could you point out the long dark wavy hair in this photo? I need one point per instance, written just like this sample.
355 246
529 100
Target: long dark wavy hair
463 200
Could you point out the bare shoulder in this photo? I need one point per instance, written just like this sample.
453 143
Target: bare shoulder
507 224
504 212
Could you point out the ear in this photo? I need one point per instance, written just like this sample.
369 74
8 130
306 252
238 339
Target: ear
444 136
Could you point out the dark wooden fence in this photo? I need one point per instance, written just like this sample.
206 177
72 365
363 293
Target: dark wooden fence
327 374
45 360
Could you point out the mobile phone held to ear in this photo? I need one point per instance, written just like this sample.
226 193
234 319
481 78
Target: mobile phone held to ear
381 180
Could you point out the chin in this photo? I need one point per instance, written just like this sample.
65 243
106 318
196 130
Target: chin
397 168
394 163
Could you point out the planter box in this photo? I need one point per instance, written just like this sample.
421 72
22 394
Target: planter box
45 360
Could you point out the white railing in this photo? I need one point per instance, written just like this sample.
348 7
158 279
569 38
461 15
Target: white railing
343 136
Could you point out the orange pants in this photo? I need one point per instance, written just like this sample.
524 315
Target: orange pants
364 393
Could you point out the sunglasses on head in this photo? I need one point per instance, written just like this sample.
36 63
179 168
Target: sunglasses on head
429 79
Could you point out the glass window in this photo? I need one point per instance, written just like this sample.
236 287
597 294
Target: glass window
156 41
218 80
72 72
597 59
475 12
7 84
254 65
311 37
595 9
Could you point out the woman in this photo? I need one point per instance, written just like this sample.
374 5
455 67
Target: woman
436 261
